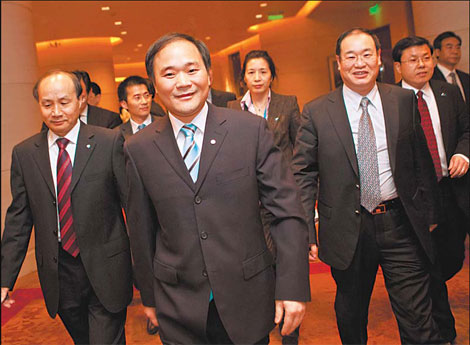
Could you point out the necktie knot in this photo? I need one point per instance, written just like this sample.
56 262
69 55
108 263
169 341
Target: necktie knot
62 143
189 130
419 94
364 103
141 126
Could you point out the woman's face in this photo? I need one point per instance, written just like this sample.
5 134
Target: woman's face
258 75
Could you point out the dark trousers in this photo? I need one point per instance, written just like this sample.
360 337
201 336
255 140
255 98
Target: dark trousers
84 317
215 330
449 238
389 241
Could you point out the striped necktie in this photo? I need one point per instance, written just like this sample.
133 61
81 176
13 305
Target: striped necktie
64 190
190 150
367 160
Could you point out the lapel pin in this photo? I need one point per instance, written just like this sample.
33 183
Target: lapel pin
443 94
213 141
276 119
88 146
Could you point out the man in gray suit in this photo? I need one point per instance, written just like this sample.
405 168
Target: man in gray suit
69 183
362 153
196 178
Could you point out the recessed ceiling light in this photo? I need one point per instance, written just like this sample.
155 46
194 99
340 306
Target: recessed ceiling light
118 23
259 16
105 8
136 49
208 38
123 32
140 45
263 4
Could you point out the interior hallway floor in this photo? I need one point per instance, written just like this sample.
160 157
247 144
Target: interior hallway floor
29 323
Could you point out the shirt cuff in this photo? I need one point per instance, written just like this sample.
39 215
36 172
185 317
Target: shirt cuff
461 155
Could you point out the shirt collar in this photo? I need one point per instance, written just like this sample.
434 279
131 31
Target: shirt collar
246 100
199 121
352 97
85 111
71 136
445 71
426 89
147 121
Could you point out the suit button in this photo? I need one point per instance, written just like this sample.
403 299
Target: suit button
357 186
197 199
54 232
54 259
204 273
204 235
357 212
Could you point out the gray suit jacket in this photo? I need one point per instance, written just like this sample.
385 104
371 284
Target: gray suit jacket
190 238
98 185
326 168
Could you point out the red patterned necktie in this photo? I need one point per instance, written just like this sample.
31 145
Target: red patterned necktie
64 180
426 123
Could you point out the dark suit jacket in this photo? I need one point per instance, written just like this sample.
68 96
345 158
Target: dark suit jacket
100 117
283 120
221 98
126 128
464 79
157 110
98 181
325 154
188 238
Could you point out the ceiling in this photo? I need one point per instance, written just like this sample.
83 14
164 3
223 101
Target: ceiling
225 22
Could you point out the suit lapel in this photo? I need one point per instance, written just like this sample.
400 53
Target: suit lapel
392 119
126 129
442 101
166 143
339 117
85 147
274 110
41 157
214 135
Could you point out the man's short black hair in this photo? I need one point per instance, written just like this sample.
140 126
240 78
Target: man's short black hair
438 40
95 88
407 42
133 80
76 82
354 31
83 75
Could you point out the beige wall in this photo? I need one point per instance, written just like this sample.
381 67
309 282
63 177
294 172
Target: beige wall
300 47
433 17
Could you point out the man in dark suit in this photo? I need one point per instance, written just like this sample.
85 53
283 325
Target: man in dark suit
69 183
196 178
220 98
444 119
448 52
135 95
361 152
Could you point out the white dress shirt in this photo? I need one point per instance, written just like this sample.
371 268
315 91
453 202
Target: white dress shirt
352 100
199 121
134 124
71 147
446 72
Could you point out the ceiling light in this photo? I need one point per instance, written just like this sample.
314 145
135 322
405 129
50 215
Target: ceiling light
140 45
136 49
118 22
208 38
105 8
263 4
259 16
123 32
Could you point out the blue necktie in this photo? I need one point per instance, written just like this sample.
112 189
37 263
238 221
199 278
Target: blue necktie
141 126
190 150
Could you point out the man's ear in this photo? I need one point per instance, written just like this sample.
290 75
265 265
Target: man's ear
124 105
210 77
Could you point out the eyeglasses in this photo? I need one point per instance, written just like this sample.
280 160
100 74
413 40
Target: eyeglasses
415 60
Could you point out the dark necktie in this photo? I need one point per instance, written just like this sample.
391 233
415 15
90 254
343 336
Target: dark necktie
64 180
426 124
453 77
367 160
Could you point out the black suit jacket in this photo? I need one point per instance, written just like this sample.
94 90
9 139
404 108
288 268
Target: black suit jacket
326 168
126 128
190 238
464 79
221 98
98 185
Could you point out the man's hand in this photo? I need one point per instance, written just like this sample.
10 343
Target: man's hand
313 254
151 315
6 300
432 227
458 166
293 313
